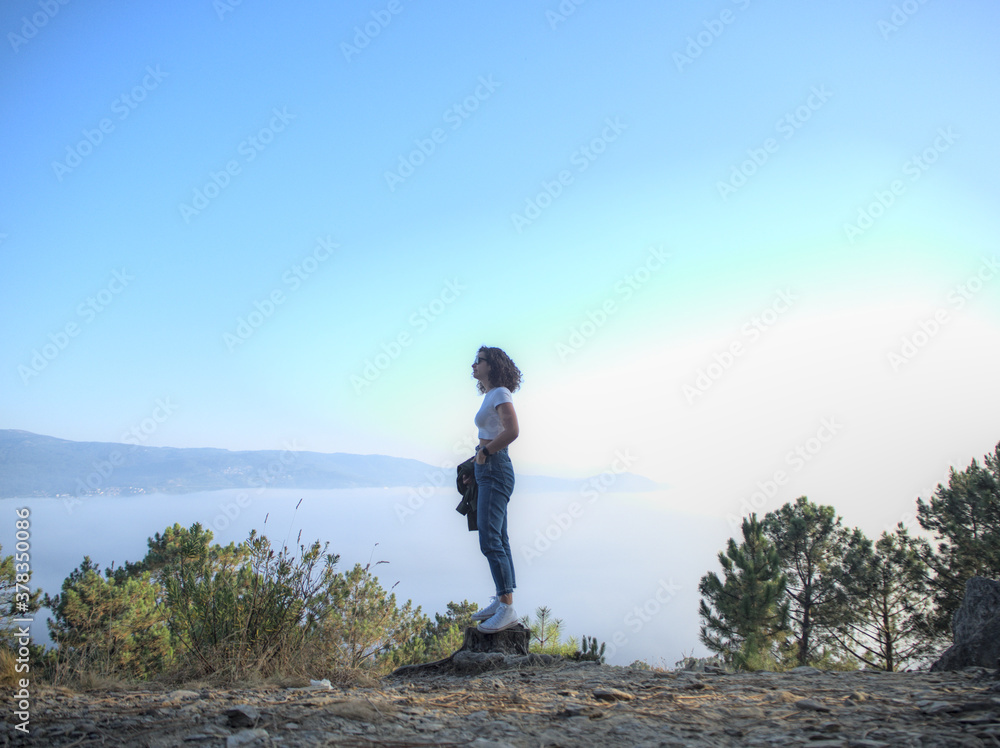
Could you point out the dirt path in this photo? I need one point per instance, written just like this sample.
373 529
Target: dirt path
568 704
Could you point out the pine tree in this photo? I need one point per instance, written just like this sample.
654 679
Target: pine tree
446 633
810 543
546 634
965 517
15 602
743 614
361 624
109 627
887 589
546 630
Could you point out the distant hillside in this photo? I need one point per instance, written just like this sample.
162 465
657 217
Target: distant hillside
34 465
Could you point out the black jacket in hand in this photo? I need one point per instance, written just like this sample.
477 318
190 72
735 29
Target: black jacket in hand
469 491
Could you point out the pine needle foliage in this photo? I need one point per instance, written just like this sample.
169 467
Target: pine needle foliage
108 627
886 583
811 543
744 613
965 518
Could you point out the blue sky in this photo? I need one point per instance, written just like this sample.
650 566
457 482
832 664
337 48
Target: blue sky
513 174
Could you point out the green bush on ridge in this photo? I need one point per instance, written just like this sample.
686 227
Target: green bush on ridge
194 609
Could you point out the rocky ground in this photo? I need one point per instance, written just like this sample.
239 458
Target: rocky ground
557 704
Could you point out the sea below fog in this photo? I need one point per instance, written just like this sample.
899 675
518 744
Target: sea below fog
622 567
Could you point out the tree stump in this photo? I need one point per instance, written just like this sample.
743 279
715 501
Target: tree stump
512 641
509 642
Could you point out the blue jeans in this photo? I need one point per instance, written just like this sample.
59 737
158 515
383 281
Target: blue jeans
495 480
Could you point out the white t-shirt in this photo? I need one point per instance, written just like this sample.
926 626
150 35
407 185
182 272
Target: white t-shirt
487 419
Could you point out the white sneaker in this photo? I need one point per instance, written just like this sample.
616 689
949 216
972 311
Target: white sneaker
504 618
488 611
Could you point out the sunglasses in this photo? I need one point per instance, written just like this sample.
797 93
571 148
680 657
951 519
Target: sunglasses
479 360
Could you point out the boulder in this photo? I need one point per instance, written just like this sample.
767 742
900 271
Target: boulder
975 627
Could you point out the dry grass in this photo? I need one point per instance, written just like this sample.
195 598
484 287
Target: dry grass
89 682
8 672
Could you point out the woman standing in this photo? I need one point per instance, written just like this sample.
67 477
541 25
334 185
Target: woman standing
497 377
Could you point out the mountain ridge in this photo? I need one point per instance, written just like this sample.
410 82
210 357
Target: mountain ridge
35 465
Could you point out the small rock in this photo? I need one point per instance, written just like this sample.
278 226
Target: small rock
431 726
784 697
805 670
612 694
811 706
939 707
696 686
242 715
580 710
182 695
247 738
358 710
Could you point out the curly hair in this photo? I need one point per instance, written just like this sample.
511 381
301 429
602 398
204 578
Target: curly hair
503 371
